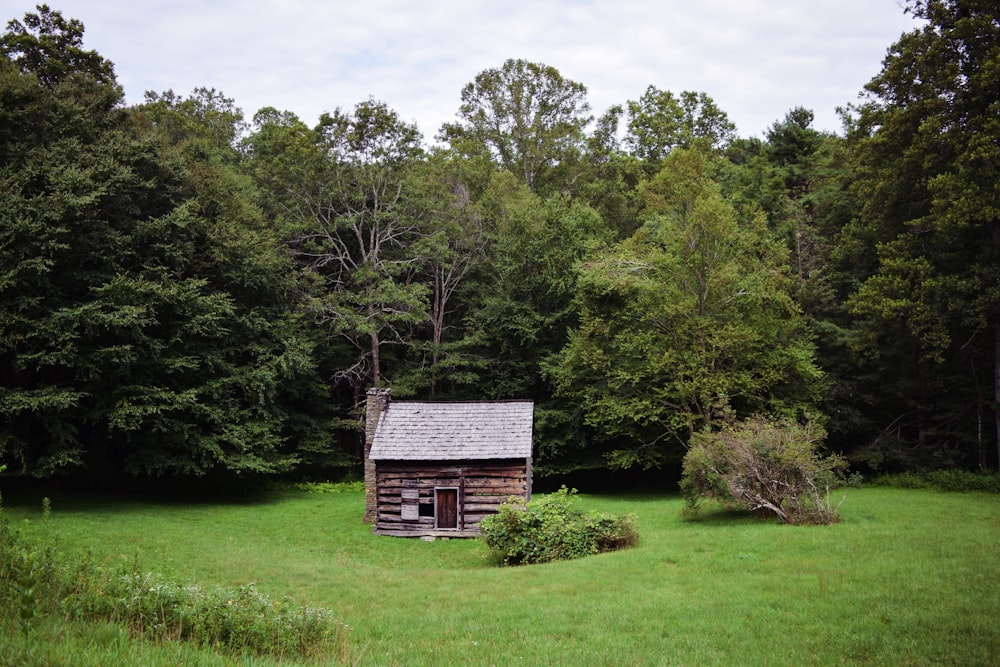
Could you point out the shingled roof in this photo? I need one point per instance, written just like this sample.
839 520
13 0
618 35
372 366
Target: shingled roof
423 431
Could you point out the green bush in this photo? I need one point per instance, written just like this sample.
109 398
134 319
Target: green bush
329 487
766 467
942 480
548 528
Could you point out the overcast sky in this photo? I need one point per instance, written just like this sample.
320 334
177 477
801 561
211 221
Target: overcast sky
756 58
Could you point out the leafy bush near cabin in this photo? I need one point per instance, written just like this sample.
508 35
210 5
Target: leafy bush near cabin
549 528
772 467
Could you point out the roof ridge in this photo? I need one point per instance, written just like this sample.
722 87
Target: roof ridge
483 402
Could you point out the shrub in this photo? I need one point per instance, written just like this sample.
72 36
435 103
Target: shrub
765 467
548 528
942 480
329 487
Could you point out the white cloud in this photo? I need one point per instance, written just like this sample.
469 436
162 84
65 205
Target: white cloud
756 58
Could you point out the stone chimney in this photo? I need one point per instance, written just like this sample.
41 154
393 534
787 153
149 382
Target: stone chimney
375 404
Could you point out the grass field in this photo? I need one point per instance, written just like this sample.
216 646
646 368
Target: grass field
909 578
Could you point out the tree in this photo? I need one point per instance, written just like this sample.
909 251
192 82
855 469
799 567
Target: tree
261 404
522 302
54 243
610 182
146 313
206 115
356 228
659 122
50 48
453 246
685 322
525 115
283 156
527 301
801 179
792 145
928 142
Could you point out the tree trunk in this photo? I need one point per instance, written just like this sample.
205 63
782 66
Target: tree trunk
996 384
924 403
437 315
376 363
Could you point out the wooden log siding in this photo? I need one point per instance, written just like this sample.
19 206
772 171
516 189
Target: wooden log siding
482 486
439 468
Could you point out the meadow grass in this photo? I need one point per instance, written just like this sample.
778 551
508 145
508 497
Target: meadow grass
910 577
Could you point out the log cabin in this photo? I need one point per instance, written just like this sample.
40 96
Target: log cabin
435 469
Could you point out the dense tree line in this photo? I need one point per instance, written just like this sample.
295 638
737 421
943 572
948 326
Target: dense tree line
185 292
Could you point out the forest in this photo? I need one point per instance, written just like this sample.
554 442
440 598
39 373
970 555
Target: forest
186 292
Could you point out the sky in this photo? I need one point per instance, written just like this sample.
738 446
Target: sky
757 59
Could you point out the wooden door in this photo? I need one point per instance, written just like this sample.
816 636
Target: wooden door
446 504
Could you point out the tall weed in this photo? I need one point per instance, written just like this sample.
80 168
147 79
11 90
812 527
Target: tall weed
232 619
36 580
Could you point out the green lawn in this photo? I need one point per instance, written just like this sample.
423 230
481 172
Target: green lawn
908 578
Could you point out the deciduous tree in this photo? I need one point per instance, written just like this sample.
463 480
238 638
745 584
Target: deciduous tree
928 140
357 229
686 321
526 115
659 121
147 319
452 247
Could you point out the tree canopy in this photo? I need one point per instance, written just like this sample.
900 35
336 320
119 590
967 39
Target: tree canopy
526 115
689 320
929 153
185 293
148 310
659 121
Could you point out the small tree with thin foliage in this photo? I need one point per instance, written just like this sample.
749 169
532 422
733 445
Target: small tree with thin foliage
772 467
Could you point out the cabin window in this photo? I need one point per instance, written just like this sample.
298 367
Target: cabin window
408 509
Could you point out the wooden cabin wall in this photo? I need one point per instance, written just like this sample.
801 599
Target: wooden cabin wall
482 486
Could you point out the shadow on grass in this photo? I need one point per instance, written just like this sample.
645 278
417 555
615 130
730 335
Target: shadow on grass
636 497
122 496
724 516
